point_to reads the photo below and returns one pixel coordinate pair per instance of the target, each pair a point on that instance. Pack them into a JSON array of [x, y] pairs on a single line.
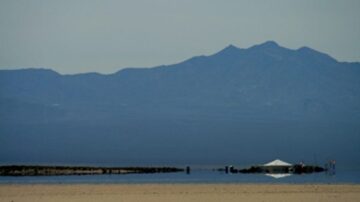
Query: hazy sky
[[72, 36]]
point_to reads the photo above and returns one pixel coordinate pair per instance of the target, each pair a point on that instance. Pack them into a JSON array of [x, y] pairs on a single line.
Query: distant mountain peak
[[306, 49], [230, 46], [314, 53], [229, 50], [268, 45]]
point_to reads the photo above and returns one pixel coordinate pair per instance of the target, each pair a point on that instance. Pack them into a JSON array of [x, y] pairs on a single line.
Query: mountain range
[[235, 106]]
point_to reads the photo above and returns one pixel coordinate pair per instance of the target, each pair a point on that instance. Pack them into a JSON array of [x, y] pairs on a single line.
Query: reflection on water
[[196, 176], [278, 175]]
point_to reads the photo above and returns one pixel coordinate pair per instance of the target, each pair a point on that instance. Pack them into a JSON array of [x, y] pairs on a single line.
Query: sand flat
[[178, 192]]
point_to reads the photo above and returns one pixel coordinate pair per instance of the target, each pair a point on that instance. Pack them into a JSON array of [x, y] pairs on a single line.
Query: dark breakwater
[[31, 170]]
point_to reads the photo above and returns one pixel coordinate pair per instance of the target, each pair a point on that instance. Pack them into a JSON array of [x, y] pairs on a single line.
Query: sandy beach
[[179, 192]]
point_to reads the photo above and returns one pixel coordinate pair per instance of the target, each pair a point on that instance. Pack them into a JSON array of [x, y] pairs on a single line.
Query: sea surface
[[196, 176]]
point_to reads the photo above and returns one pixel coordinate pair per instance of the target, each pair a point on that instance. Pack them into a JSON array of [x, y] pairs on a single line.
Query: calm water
[[196, 176]]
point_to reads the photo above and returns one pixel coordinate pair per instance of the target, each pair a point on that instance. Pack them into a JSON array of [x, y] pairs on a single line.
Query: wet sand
[[178, 193]]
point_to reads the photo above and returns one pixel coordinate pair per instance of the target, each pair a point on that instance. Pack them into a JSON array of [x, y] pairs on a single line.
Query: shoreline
[[179, 192], [173, 183], [180, 184]]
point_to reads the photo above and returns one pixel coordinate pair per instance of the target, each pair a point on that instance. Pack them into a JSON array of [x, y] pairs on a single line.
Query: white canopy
[[277, 162]]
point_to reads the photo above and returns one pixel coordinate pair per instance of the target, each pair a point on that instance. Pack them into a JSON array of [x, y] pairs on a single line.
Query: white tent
[[277, 162]]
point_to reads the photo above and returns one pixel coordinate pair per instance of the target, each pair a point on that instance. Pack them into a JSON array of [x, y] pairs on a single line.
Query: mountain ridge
[[230, 48], [228, 104]]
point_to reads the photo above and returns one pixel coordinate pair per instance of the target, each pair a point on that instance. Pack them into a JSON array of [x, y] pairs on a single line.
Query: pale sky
[[73, 36]]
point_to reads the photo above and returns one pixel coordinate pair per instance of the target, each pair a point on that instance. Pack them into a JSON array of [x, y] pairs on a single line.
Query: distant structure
[[279, 168], [276, 166], [188, 170], [330, 167]]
